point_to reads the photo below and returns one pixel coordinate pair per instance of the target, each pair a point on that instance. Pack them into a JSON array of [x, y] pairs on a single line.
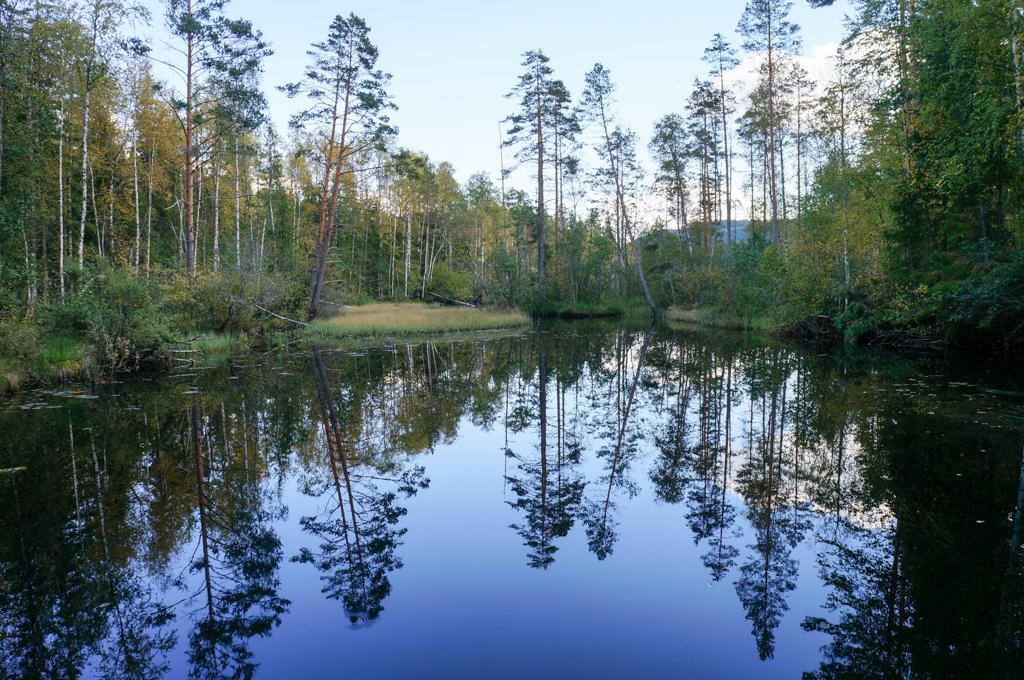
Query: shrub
[[19, 338], [230, 302], [990, 302]]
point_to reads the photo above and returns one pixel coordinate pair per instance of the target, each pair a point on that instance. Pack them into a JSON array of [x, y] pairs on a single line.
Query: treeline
[[108, 171], [883, 203]]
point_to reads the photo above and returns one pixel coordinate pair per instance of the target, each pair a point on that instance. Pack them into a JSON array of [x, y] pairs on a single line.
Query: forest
[[145, 201]]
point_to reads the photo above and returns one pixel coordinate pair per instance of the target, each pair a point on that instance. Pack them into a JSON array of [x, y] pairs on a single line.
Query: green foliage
[[231, 302], [120, 314], [19, 338], [586, 310], [451, 284], [29, 350], [506, 280], [991, 301]]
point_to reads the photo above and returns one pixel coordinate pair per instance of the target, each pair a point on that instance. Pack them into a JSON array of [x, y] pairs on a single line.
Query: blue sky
[[453, 60]]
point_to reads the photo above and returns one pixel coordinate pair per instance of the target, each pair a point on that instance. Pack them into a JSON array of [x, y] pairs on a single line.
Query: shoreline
[[360, 326]]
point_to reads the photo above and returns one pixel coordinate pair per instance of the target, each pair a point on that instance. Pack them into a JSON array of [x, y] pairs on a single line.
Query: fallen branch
[[458, 302], [273, 314], [278, 316]]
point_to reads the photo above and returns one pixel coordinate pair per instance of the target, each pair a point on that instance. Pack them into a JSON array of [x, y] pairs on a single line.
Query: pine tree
[[348, 104], [767, 30], [617, 149], [670, 146], [222, 58], [722, 57], [538, 97]]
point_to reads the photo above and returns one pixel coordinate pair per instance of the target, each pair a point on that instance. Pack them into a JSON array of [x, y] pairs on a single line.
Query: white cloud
[[818, 61]]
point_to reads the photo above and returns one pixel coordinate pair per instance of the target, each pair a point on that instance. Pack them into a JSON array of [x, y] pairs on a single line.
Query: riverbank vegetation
[[885, 205], [410, 318], [144, 204]]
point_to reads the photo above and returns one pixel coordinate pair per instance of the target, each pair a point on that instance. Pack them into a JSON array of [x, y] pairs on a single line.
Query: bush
[[120, 314], [505, 280], [229, 302], [19, 338], [127, 319], [451, 284], [990, 303]]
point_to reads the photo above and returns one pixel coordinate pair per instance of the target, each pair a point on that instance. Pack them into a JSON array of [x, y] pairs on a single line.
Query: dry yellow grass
[[411, 318]]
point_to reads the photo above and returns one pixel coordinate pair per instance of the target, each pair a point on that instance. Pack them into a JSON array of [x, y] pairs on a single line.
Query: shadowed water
[[600, 501]]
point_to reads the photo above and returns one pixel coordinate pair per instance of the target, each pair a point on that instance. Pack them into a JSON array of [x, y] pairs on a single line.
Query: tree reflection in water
[[238, 558], [358, 532], [547, 492], [141, 532]]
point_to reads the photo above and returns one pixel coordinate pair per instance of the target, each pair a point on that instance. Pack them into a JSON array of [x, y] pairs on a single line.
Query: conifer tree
[[767, 30], [538, 97], [348, 104], [221, 59]]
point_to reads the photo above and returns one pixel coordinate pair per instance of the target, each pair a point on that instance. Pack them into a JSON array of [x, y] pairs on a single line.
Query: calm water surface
[[578, 501]]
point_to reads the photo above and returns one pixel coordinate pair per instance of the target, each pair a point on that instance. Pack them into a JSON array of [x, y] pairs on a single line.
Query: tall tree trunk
[[799, 153], [323, 243], [216, 216], [238, 214], [728, 154], [149, 210], [85, 167], [189, 235], [60, 195], [772, 185], [408, 251], [541, 245], [138, 216], [96, 210], [108, 243], [197, 219], [782, 176], [621, 201]]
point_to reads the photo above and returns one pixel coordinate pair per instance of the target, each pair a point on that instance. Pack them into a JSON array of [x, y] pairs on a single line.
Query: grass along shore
[[63, 359], [58, 359], [626, 307], [707, 316], [411, 318]]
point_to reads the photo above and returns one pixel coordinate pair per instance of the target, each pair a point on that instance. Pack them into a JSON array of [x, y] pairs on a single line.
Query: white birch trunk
[[85, 174], [238, 215], [216, 218], [60, 194]]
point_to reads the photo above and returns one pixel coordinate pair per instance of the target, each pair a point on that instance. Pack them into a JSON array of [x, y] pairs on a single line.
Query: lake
[[603, 500]]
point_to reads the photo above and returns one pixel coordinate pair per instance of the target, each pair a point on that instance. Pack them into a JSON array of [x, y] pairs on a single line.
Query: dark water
[[581, 501]]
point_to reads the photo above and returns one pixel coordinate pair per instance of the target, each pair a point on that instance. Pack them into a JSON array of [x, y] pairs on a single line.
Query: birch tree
[[218, 59]]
